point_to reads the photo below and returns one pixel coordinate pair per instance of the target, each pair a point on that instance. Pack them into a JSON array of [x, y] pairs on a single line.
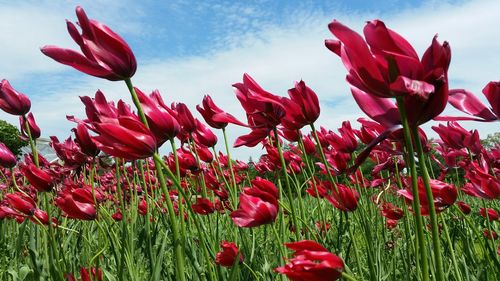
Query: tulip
[[468, 103], [105, 53], [75, 209], [302, 108], [492, 214], [311, 262], [264, 111], [464, 207], [214, 116], [33, 127], [258, 205], [481, 183], [386, 65], [12, 101], [21, 203], [346, 142], [162, 124], [127, 138], [97, 109], [203, 206], [83, 139], [39, 178], [68, 151], [7, 158], [444, 195], [344, 198], [228, 255], [184, 117], [391, 212], [203, 135]]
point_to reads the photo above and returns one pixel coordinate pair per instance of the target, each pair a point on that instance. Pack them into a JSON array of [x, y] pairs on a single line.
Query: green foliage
[[9, 135], [491, 140]]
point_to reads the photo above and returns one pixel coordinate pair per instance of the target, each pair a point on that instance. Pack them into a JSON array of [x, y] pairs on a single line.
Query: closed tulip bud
[[33, 127], [12, 101], [7, 158]]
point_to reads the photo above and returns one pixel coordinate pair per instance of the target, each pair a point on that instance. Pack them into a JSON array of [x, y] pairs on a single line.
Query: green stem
[[416, 200], [288, 188], [234, 191], [432, 209]]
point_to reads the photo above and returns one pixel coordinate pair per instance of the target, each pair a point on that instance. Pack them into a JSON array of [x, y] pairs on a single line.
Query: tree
[[491, 140], [9, 135]]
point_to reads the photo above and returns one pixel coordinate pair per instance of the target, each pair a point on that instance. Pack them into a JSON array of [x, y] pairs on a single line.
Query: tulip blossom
[[161, 123], [214, 116], [302, 108], [75, 209], [12, 101], [468, 103], [105, 53], [444, 195], [68, 151], [83, 139], [481, 183], [203, 206], [184, 117], [21, 203], [264, 111], [258, 205], [386, 65], [311, 262], [7, 158], [345, 142], [344, 198], [228, 255], [455, 136], [491, 213], [203, 135], [127, 138], [39, 178], [464, 207], [33, 127], [391, 212], [98, 109]]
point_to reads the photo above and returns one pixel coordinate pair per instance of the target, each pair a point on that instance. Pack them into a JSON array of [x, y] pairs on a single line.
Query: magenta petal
[[467, 102]]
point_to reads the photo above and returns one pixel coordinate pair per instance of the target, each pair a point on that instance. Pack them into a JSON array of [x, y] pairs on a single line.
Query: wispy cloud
[[276, 56]]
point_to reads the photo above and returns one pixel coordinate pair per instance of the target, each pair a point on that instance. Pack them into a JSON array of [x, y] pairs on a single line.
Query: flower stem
[[421, 249], [432, 209]]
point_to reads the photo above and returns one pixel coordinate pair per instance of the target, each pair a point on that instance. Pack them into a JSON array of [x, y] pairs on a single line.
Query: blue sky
[[190, 48]]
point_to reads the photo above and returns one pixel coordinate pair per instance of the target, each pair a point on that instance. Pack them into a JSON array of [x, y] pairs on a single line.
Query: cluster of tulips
[[379, 202]]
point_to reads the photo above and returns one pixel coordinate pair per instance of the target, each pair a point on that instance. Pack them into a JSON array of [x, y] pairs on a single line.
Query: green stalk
[[32, 142], [179, 251], [234, 191], [414, 180], [288, 188], [432, 209]]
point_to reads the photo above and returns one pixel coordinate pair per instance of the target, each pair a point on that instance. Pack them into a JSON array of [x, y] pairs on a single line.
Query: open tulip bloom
[[375, 199]]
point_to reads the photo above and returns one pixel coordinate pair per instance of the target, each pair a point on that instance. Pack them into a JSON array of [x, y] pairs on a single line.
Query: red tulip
[[444, 195], [464, 207], [127, 138], [391, 212], [68, 151], [455, 136], [467, 102], [481, 183], [492, 214], [162, 124], [184, 117], [258, 205], [34, 129], [344, 198], [311, 262], [12, 101], [346, 142], [82, 137], [98, 109], [204, 154], [228, 255], [39, 178], [105, 53], [214, 116], [7, 158], [203, 206], [75, 209], [21, 203], [142, 207], [302, 108], [203, 135], [264, 111]]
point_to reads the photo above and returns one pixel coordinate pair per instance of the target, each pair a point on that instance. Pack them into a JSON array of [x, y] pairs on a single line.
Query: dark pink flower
[[228, 255], [105, 53], [12, 101]]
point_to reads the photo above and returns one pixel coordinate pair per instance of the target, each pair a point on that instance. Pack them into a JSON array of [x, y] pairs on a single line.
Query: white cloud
[[275, 56]]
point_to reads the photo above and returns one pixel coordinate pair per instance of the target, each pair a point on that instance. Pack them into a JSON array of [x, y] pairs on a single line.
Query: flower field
[[376, 200]]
